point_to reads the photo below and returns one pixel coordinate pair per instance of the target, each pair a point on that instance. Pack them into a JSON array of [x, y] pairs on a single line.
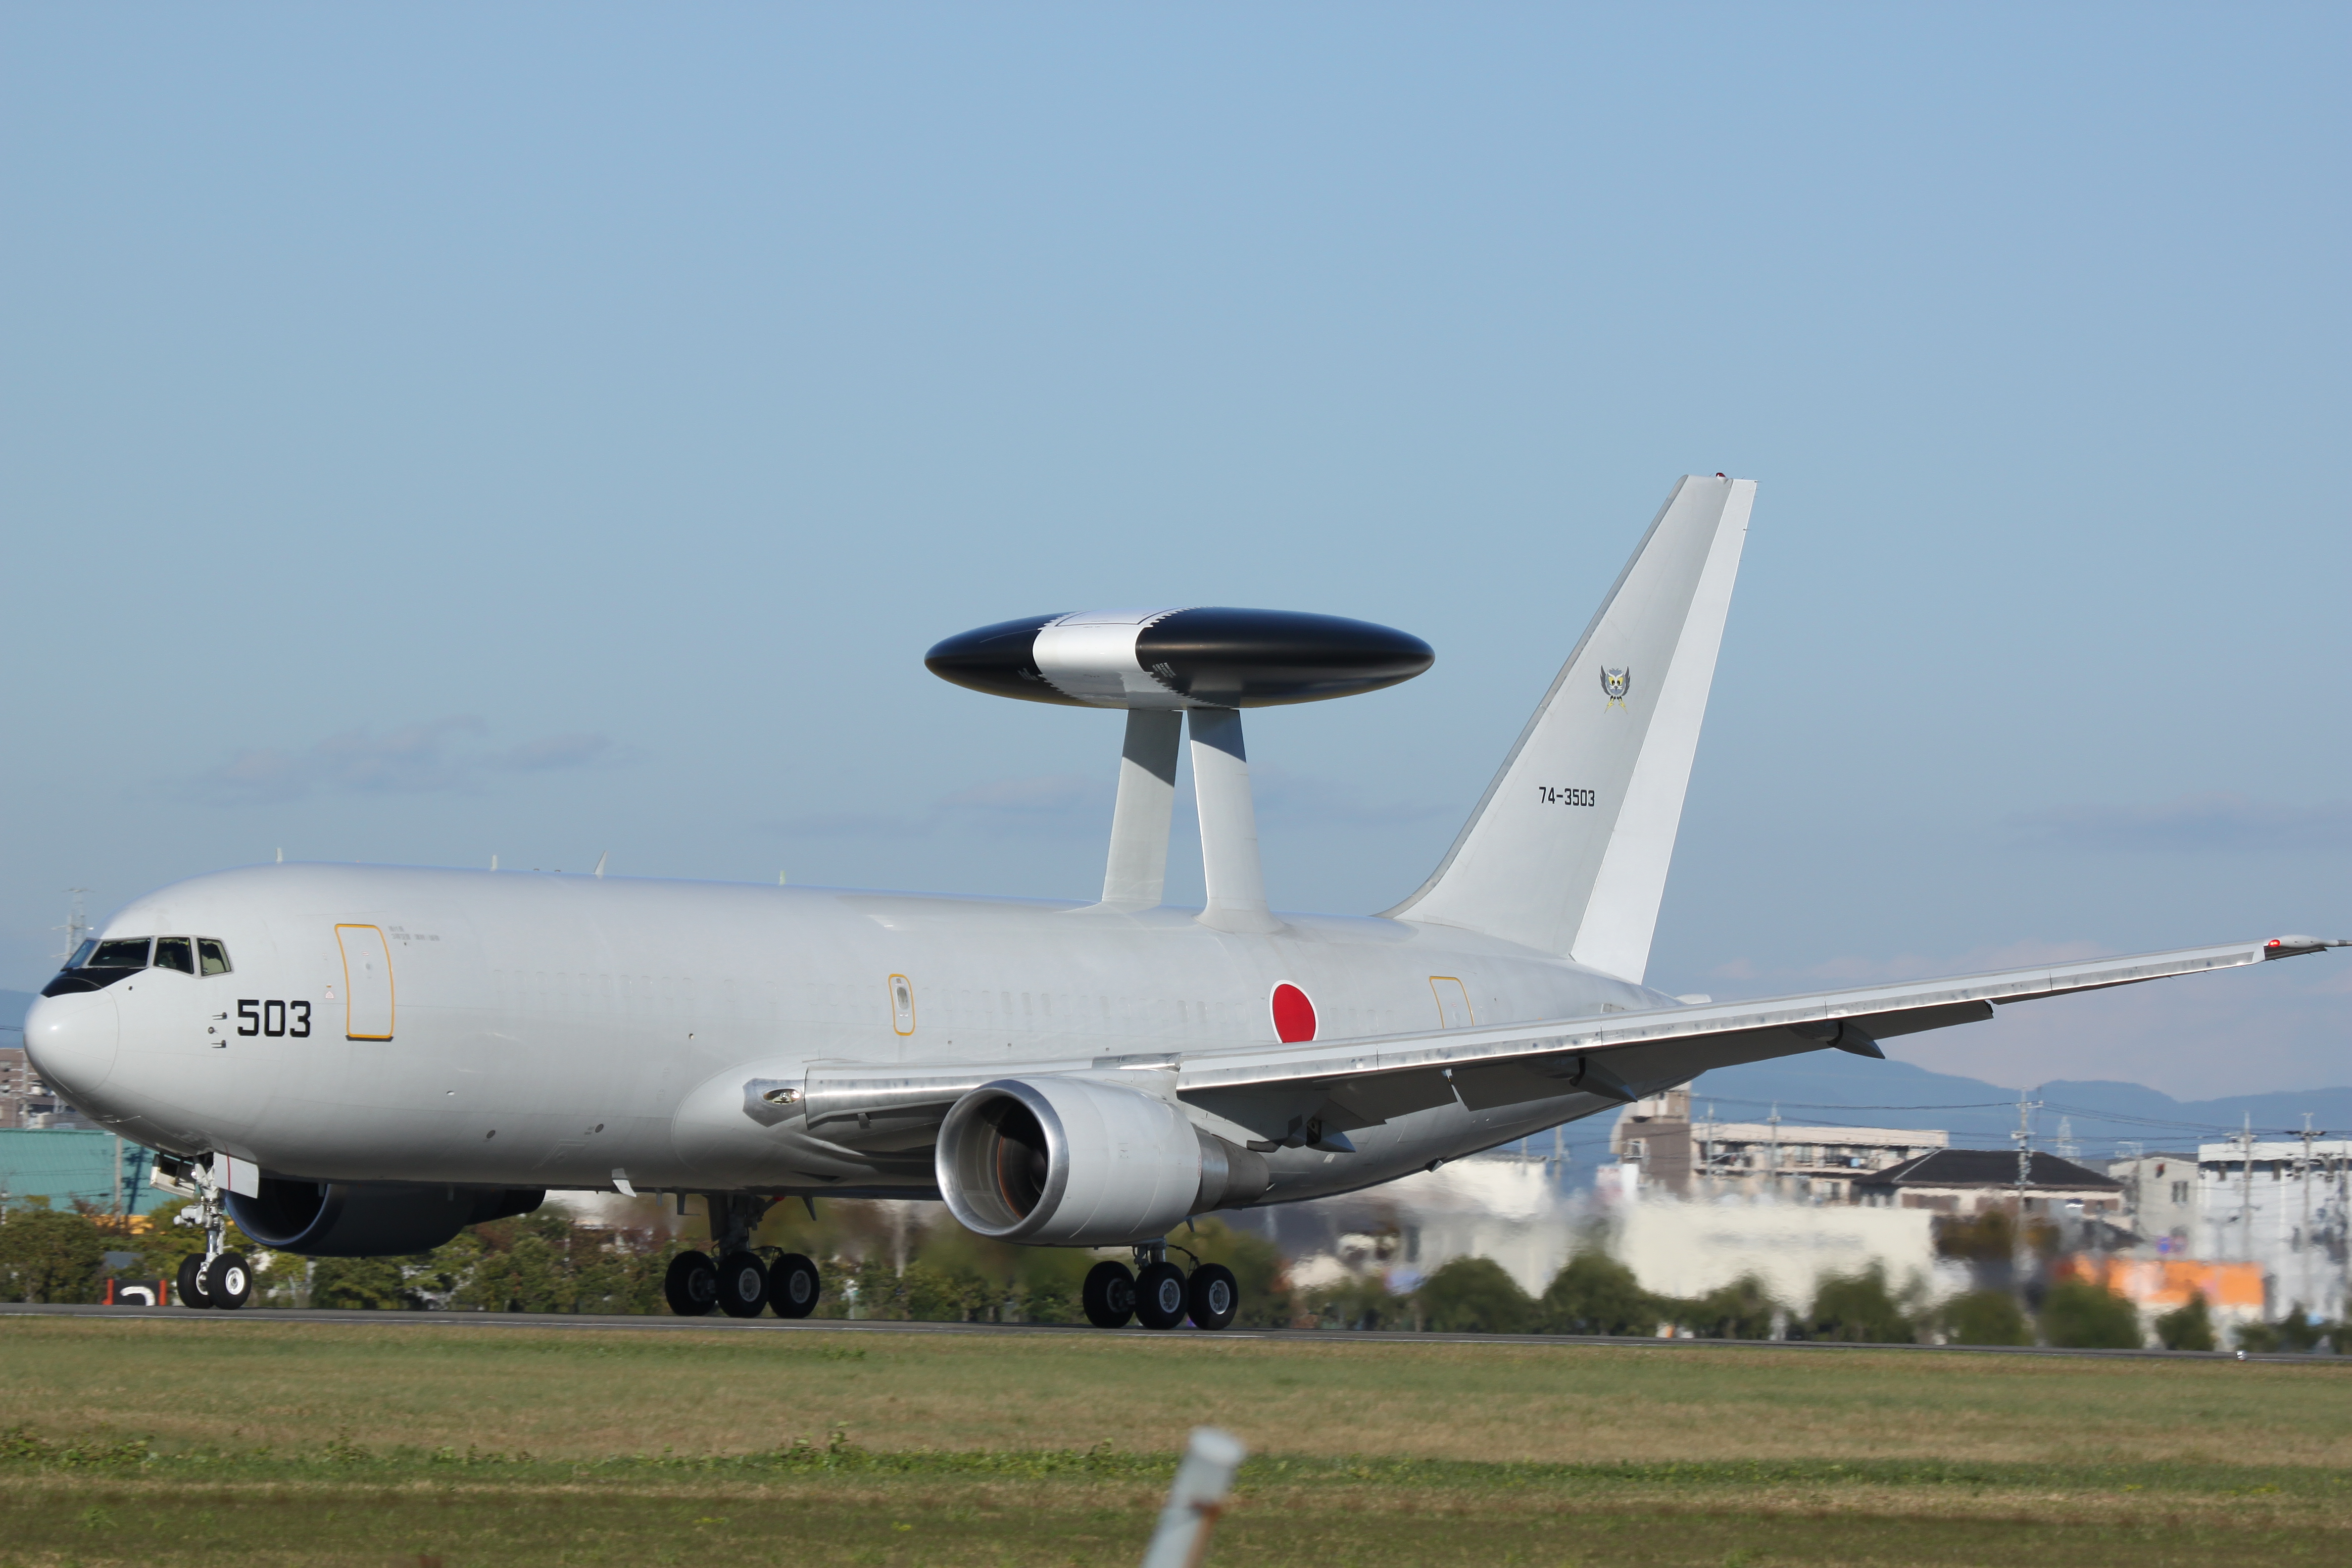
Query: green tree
[[1986, 1318], [2080, 1315], [49, 1255], [547, 1262], [1595, 1294], [366, 1284], [1474, 1296], [2187, 1327], [1358, 1303], [1257, 1268], [1743, 1310], [1857, 1308]]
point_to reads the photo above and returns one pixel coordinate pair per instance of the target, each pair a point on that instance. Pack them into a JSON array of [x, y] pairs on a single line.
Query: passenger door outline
[[367, 982], [1454, 1011]]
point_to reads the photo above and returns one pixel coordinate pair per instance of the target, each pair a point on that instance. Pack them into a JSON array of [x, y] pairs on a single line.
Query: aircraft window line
[[212, 955], [81, 954], [175, 952]]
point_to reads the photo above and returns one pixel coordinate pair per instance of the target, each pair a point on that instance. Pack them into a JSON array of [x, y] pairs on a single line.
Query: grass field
[[202, 1442]]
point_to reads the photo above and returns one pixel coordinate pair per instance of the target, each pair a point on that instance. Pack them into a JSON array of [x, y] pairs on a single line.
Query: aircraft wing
[[1622, 1056], [1613, 1057]]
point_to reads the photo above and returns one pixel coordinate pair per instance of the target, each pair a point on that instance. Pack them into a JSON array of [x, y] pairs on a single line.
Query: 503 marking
[[291, 1019]]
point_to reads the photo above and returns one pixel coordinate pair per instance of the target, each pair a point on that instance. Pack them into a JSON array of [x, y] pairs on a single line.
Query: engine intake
[[1068, 1162], [370, 1219]]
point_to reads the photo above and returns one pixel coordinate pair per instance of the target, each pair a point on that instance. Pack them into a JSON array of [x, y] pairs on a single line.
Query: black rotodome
[[1218, 656]]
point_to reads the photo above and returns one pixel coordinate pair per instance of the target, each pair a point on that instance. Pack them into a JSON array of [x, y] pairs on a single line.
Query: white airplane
[[354, 1061]]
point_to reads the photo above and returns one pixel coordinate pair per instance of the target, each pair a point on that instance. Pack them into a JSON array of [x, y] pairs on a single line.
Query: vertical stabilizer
[[1568, 852]]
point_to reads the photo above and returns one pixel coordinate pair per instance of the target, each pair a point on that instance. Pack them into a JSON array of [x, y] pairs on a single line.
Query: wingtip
[[2295, 946]]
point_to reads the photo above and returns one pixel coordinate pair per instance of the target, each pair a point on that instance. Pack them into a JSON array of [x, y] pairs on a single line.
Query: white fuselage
[[569, 1031]]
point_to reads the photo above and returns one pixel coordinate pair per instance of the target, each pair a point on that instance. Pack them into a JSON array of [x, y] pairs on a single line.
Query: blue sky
[[438, 432]]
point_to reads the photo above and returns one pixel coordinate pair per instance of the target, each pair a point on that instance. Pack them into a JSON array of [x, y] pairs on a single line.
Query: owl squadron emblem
[[1615, 682]]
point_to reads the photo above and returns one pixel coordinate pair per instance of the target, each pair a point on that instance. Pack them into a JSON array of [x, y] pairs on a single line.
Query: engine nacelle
[[370, 1219], [1068, 1162]]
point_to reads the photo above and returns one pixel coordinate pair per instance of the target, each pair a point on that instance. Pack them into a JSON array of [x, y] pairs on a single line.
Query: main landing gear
[[1158, 1294], [741, 1283]]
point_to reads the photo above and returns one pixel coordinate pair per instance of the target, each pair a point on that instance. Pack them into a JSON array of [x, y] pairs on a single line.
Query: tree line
[[906, 1262]]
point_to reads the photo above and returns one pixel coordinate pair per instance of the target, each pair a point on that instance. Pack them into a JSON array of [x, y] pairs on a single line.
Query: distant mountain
[[1828, 1088], [14, 1005]]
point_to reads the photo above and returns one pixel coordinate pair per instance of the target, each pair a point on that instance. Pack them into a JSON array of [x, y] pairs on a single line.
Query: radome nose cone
[[71, 1041]]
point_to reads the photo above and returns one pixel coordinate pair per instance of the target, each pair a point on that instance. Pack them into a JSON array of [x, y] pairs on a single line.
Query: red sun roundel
[[1294, 1015]]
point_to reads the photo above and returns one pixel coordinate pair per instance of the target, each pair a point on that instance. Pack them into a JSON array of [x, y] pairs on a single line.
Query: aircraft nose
[[71, 1042]]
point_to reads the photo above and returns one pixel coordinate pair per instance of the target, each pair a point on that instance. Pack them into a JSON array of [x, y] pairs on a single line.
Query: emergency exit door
[[367, 983]]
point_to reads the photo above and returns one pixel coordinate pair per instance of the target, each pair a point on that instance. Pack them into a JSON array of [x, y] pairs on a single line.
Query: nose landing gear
[[1159, 1295], [218, 1278]]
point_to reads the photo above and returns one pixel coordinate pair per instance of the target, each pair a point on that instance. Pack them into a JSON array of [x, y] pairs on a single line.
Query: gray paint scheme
[[553, 1031]]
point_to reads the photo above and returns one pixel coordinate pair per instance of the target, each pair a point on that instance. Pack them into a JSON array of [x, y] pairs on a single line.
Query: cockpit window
[[213, 955], [96, 965]]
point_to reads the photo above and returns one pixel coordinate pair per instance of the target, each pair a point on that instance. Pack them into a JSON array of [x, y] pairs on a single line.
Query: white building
[[2282, 1203], [1793, 1161]]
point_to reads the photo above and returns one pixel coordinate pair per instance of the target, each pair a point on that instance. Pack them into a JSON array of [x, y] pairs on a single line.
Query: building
[[2281, 1205], [1710, 1158], [26, 1101], [1972, 1181], [71, 1166], [2235, 1293], [2160, 1195]]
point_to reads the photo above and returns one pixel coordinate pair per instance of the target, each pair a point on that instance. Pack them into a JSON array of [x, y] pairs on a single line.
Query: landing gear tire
[[793, 1286], [191, 1282], [1108, 1295], [742, 1284], [1213, 1295], [1160, 1296], [691, 1286], [226, 1280]]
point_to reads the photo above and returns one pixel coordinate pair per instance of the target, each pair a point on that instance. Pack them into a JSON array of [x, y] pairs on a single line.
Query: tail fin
[[1568, 852]]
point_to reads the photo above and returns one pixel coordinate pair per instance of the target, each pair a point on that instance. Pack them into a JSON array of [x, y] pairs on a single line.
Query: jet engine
[[1069, 1161], [370, 1219]]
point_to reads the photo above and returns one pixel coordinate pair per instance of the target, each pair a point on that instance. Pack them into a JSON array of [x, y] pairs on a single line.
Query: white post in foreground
[[1195, 1499]]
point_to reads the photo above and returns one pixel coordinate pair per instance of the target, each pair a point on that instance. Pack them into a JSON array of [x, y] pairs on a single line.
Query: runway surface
[[717, 1324]]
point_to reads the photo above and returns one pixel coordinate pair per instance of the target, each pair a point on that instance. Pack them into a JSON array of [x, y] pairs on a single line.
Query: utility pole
[[2246, 1186], [2302, 1231], [75, 927], [1707, 1148], [2023, 1139]]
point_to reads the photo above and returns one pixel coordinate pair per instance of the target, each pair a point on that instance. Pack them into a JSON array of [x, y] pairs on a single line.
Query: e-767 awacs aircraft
[[354, 1061]]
